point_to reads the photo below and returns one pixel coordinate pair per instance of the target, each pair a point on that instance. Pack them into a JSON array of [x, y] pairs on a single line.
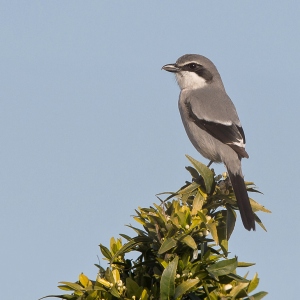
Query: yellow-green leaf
[[197, 203], [104, 282], [116, 275], [245, 264], [119, 243], [213, 230], [92, 295], [113, 245], [189, 189], [257, 296], [140, 220], [188, 240], [253, 283], [258, 207], [144, 295], [162, 262], [195, 222], [83, 280], [239, 290], [202, 216]]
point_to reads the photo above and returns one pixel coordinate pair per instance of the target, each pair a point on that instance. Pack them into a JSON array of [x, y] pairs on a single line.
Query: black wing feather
[[227, 134]]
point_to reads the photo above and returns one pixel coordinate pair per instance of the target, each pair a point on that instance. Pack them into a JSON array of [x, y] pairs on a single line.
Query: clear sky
[[90, 128]]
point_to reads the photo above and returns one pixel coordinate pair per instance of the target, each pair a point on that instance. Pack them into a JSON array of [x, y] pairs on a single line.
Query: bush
[[182, 249]]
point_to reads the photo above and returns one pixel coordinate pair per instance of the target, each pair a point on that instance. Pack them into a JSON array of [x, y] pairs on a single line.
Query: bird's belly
[[207, 145]]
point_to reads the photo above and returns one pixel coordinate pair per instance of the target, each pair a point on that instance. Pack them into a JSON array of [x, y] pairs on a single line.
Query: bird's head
[[194, 71]]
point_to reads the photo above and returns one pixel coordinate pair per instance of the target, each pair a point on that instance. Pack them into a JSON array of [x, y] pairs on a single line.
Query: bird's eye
[[192, 66]]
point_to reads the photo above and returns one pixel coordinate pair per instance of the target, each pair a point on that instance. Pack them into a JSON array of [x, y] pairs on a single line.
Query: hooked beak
[[171, 68]]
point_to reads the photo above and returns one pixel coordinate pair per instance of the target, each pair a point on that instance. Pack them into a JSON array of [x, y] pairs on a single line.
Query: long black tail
[[243, 201]]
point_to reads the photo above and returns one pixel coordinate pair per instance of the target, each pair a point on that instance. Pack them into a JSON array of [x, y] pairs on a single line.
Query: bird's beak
[[171, 68]]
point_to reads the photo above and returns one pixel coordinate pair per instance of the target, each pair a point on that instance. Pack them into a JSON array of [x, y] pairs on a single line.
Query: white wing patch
[[240, 143], [227, 123]]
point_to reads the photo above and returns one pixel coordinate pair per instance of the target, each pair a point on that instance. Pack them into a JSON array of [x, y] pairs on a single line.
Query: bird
[[212, 123]]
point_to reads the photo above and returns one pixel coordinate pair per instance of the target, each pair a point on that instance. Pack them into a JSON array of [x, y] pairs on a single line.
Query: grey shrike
[[211, 122]]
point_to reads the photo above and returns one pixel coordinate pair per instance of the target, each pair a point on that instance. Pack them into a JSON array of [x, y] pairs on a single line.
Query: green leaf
[[257, 296], [237, 277], [109, 276], [222, 230], [73, 286], [253, 190], [205, 172], [138, 231], [230, 222], [167, 282], [100, 268], [98, 287], [207, 291], [168, 244], [193, 172], [106, 253], [130, 246], [67, 297], [223, 267], [126, 237], [114, 292], [184, 287], [258, 220], [132, 288], [188, 240]]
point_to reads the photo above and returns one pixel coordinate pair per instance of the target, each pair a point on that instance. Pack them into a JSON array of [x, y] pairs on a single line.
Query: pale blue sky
[[90, 127]]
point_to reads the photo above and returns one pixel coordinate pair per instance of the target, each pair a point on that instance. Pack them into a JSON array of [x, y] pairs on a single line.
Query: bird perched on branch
[[211, 122]]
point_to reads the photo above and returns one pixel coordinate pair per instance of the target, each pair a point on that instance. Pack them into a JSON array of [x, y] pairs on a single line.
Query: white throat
[[190, 80]]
